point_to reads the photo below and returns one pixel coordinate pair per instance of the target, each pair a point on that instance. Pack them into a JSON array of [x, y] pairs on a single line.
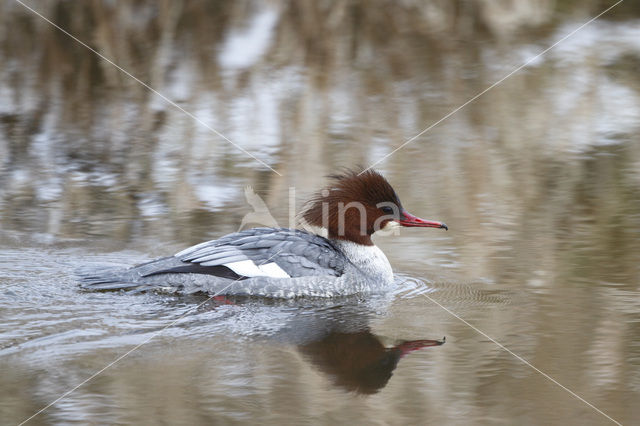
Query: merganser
[[333, 256]]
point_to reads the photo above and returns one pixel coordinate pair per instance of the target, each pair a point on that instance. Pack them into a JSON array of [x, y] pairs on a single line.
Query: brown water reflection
[[539, 181], [359, 362]]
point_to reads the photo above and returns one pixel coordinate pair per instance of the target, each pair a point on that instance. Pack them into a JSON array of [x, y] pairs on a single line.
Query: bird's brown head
[[355, 205]]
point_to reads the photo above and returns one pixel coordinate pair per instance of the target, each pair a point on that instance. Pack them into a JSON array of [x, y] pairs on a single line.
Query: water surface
[[538, 180]]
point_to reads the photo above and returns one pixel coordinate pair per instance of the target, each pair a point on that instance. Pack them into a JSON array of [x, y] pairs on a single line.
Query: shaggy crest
[[350, 206]]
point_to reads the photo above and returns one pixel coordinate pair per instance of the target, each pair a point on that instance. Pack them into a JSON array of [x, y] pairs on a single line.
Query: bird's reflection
[[358, 361], [336, 338]]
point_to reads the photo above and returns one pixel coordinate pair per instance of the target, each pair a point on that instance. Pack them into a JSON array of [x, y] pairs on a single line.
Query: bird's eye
[[386, 210]]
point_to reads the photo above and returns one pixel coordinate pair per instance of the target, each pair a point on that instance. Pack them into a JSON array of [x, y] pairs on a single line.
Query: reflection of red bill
[[414, 345]]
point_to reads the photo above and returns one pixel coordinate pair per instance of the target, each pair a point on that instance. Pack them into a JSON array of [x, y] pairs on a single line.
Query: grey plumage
[[201, 267], [312, 254]]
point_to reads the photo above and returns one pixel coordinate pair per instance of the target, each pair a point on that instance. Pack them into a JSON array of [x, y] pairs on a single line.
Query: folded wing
[[269, 252]]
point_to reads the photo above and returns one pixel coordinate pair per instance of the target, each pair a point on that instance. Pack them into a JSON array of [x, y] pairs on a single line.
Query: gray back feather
[[298, 253]]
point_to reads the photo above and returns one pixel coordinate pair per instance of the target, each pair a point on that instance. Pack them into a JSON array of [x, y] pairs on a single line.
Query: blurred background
[[538, 180]]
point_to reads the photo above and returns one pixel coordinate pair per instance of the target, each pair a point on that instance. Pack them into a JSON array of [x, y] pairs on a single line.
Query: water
[[538, 180]]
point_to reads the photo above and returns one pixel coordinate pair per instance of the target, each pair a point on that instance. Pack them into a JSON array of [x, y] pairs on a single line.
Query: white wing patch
[[247, 268], [273, 270]]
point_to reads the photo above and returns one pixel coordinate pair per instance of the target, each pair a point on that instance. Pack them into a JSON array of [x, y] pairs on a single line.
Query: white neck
[[369, 259]]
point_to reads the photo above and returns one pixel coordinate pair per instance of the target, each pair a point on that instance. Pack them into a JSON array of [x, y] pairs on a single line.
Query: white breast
[[369, 259]]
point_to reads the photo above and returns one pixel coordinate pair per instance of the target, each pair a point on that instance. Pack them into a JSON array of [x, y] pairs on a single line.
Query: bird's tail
[[104, 276]]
